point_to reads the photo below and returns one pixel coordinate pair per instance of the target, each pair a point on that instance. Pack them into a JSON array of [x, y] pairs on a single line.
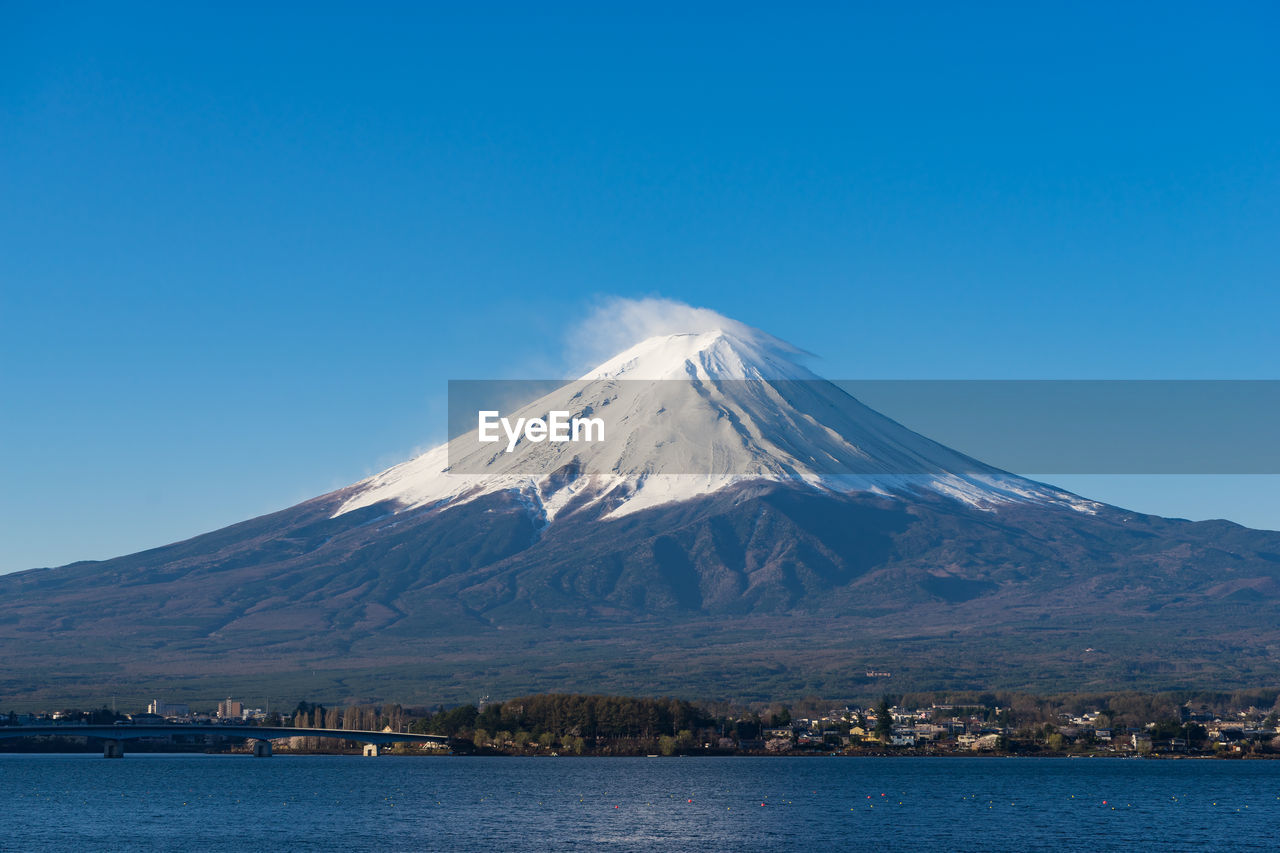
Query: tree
[[1196, 735], [747, 728], [884, 719], [490, 719]]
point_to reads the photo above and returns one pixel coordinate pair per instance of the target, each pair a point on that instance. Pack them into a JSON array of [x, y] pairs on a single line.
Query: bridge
[[114, 736]]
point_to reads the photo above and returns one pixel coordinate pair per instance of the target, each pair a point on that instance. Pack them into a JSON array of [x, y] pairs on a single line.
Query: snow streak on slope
[[729, 405]]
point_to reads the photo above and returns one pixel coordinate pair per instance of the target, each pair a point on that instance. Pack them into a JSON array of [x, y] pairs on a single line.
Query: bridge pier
[[371, 750], [113, 749], [262, 749]]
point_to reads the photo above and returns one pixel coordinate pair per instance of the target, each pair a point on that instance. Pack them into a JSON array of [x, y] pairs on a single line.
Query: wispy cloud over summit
[[616, 323]]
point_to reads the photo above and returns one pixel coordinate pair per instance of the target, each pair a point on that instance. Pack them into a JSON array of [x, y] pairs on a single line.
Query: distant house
[[169, 709], [1141, 742], [147, 719], [903, 739], [929, 730], [1102, 734], [1189, 714]]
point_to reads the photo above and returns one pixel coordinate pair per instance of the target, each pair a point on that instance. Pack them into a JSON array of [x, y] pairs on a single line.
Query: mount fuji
[[744, 529]]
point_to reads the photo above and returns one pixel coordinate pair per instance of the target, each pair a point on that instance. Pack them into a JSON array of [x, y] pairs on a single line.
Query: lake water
[[350, 803]]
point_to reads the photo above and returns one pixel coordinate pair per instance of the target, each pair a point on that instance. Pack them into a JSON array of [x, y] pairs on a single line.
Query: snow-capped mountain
[[691, 414], [743, 528]]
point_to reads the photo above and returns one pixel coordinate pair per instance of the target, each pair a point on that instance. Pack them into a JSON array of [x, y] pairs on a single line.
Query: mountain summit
[[689, 415], [741, 528]]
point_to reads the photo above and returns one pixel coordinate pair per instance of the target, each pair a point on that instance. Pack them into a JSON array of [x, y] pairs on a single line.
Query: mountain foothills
[[745, 530]]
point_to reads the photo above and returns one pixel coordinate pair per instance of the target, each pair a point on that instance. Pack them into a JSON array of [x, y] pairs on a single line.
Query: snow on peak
[[714, 354], [690, 413]]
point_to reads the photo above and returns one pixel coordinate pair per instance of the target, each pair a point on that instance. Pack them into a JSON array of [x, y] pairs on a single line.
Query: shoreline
[[95, 749]]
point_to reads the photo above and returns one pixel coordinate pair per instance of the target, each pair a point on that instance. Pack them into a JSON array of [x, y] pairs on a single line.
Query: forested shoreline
[[1239, 724]]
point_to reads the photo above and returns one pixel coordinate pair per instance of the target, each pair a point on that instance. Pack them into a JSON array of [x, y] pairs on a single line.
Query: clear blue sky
[[241, 253]]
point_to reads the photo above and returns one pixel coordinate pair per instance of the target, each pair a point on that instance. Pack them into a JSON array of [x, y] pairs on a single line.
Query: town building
[[230, 709], [169, 709]]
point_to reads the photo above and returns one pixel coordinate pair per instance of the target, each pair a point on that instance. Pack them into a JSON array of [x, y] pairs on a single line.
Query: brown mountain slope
[[757, 590]]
